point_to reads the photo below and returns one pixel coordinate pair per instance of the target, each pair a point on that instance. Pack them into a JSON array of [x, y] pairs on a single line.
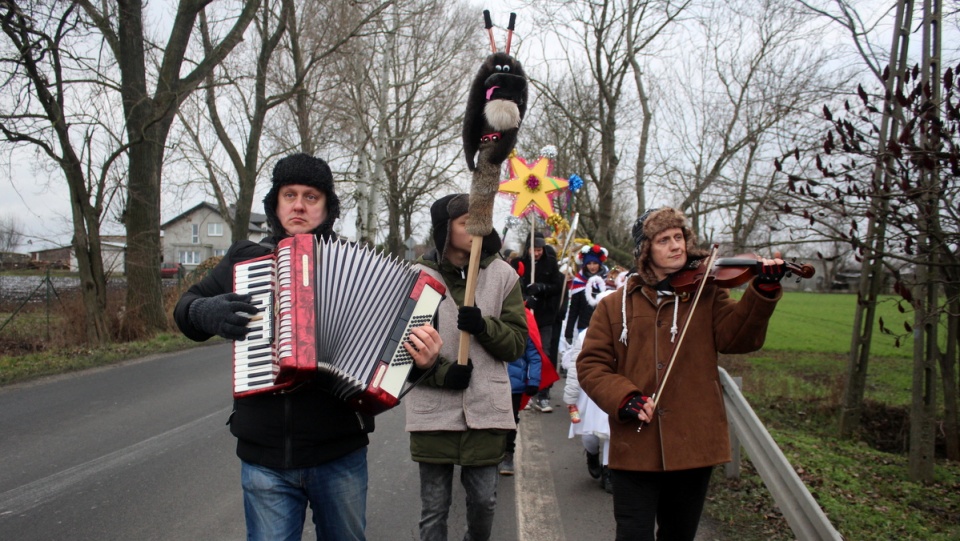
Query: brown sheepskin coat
[[690, 428]]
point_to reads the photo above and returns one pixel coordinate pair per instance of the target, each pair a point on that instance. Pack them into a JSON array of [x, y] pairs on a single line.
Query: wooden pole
[[533, 245], [469, 296]]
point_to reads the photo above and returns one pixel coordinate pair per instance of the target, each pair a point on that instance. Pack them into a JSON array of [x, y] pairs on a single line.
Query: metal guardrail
[[802, 512]]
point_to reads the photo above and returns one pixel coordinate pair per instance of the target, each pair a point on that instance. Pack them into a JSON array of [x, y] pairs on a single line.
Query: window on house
[[190, 257], [215, 230], [220, 252], [195, 233]]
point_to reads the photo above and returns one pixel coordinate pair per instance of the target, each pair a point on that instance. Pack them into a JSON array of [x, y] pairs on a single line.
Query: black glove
[[471, 320], [536, 288], [531, 390], [632, 407], [771, 274], [458, 376], [218, 315], [768, 279]]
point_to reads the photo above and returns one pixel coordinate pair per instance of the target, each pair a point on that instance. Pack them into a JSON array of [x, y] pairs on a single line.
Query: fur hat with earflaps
[[650, 224], [305, 170]]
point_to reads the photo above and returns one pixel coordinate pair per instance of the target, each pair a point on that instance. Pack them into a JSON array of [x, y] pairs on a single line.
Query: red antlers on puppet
[[488, 24]]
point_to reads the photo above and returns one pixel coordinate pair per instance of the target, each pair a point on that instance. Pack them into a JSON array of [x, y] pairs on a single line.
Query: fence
[[802, 512]]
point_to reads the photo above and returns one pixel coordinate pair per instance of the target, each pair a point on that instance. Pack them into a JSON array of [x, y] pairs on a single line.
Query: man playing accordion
[[306, 445]]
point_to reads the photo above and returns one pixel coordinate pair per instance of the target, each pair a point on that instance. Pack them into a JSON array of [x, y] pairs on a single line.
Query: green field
[[823, 323], [795, 385]]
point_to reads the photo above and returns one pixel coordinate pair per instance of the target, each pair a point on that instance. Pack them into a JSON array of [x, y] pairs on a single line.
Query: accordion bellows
[[334, 313]]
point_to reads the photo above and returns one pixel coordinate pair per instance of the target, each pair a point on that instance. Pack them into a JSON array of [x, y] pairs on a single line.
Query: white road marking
[[23, 498]]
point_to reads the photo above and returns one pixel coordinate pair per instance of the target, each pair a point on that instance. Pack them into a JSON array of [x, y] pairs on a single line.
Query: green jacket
[[469, 427]]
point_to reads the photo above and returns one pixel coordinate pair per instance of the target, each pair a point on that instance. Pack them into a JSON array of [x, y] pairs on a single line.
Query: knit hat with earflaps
[[305, 170], [447, 209], [650, 224]]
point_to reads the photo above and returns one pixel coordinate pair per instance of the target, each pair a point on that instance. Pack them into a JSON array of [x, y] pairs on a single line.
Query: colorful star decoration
[[533, 186]]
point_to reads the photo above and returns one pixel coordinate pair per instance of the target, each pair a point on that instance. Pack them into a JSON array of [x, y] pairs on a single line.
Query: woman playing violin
[[665, 441]]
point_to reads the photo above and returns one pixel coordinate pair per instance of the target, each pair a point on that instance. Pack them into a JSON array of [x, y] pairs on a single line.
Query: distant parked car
[[171, 270]]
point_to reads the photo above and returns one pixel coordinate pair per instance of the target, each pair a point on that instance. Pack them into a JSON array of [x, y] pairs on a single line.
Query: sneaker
[[543, 404], [593, 465], [506, 466], [605, 481]]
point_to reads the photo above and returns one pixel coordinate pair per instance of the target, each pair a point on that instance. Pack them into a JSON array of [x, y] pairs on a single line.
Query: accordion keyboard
[[253, 366]]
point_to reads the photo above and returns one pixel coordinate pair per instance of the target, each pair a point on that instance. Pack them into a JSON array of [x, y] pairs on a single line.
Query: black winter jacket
[[298, 429], [544, 298]]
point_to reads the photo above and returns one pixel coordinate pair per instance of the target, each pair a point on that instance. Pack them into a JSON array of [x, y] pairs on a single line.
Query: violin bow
[[655, 397]]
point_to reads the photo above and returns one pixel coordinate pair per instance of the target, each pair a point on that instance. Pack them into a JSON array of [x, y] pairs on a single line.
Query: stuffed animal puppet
[[495, 107], [496, 104]]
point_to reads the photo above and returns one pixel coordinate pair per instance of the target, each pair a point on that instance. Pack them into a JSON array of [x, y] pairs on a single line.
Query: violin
[[730, 272]]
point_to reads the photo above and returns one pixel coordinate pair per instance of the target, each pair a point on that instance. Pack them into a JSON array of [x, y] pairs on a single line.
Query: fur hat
[[650, 224], [305, 170], [447, 209]]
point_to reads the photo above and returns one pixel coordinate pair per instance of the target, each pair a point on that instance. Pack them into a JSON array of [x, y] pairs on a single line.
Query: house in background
[[113, 249], [201, 233]]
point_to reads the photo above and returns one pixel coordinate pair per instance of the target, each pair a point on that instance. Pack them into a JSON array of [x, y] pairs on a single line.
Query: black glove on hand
[[768, 279], [536, 288], [458, 376], [218, 315], [531, 390], [771, 274], [471, 320], [632, 408]]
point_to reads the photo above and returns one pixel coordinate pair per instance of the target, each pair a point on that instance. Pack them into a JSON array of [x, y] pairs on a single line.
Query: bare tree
[[609, 36], [744, 97], [240, 95], [11, 235], [149, 114], [59, 104], [405, 112]]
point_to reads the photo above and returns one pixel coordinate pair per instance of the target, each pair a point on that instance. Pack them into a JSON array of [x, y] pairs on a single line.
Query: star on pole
[[533, 186]]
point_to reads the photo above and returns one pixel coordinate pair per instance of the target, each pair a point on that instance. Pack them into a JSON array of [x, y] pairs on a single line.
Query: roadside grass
[[27, 366], [795, 385], [34, 343]]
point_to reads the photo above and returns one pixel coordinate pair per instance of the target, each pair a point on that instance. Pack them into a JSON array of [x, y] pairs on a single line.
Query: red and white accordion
[[335, 313]]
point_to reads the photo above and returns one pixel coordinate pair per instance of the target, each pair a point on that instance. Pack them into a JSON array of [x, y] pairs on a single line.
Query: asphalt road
[[140, 451]]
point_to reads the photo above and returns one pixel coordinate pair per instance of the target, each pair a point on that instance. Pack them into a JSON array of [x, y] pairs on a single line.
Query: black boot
[[605, 480], [593, 465]]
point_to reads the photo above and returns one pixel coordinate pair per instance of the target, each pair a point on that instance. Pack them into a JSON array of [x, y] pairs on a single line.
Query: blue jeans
[[436, 488], [275, 500]]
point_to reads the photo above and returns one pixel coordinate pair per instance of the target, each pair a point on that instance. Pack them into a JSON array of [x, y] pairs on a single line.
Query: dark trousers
[[512, 435], [670, 502]]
